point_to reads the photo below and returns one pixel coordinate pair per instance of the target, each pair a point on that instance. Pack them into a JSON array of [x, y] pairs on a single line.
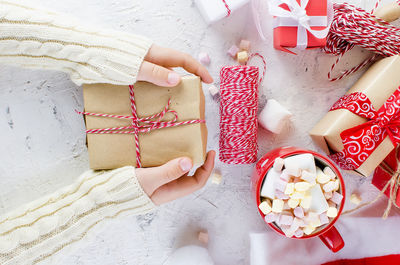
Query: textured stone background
[[42, 145]]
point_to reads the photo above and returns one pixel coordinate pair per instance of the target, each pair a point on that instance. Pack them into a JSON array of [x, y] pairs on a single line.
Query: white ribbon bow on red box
[[297, 17]]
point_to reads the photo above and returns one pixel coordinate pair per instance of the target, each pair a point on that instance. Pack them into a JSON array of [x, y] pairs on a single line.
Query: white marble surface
[[43, 141]]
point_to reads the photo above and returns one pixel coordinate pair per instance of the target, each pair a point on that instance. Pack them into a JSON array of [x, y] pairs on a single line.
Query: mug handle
[[332, 239]]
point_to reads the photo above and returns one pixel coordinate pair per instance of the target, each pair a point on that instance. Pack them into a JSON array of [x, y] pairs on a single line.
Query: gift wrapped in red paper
[[387, 171], [299, 23]]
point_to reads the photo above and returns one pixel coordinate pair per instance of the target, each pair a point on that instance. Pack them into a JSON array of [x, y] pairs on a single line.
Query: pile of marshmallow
[[300, 197]]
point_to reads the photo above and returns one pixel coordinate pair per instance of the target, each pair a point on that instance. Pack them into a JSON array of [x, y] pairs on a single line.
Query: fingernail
[[173, 78], [185, 164]]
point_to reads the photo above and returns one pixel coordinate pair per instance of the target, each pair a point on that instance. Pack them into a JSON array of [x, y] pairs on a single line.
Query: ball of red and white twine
[[353, 26], [238, 110]]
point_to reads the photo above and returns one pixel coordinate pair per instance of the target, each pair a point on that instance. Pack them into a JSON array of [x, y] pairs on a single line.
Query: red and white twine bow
[[353, 26], [140, 125], [360, 141]]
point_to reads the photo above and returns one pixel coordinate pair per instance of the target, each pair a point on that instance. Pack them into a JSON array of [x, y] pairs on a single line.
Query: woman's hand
[[156, 67], [170, 181]]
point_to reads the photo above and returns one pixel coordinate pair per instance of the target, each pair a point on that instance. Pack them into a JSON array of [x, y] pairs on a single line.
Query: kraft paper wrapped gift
[[109, 151], [379, 83]]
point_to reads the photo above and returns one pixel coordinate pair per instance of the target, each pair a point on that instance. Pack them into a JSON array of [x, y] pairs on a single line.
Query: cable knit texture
[[34, 38], [40, 229]]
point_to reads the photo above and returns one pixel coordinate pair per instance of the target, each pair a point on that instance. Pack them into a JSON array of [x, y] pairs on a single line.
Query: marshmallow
[[286, 208], [331, 204], [289, 188], [299, 233], [298, 195], [280, 195], [330, 186], [203, 237], [323, 218], [268, 189], [277, 205], [309, 177], [271, 217], [296, 224], [332, 212], [216, 178], [265, 207], [313, 219], [337, 198], [295, 172], [233, 50], [328, 171], [318, 202], [285, 176], [274, 116], [214, 90], [355, 198], [285, 219], [298, 212], [288, 232], [278, 164], [280, 185], [337, 185], [322, 178], [308, 230], [302, 186], [306, 202], [204, 58], [293, 203], [328, 195], [244, 45], [303, 161], [242, 57]]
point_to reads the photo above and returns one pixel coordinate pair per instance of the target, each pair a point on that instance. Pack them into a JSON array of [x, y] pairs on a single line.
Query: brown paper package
[[109, 151], [378, 83]]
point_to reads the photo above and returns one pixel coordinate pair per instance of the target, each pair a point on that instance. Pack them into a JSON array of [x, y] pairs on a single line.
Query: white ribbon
[[297, 16]]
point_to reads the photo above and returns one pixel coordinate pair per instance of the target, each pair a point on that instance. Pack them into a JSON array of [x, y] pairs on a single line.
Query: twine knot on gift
[[140, 125], [391, 185], [360, 141], [290, 13]]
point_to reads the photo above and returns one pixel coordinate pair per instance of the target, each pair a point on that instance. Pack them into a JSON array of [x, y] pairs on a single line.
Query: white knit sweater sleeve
[[40, 229], [34, 38]]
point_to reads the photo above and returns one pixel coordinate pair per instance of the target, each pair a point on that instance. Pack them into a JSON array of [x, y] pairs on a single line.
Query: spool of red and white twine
[[353, 26], [238, 113]]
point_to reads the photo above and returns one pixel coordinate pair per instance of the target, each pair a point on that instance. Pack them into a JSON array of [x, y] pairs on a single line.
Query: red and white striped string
[[353, 26], [140, 125], [238, 113], [228, 10]]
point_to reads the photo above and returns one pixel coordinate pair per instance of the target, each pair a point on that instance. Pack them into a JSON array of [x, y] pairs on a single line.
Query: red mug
[[329, 235]]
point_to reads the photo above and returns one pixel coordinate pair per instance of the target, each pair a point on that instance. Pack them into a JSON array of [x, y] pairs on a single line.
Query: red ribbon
[[362, 140], [140, 125]]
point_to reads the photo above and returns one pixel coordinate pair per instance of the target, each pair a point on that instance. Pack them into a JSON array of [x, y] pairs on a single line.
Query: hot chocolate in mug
[[328, 234]]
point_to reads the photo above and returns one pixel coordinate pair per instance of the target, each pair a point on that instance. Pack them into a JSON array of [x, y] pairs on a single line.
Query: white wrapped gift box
[[214, 10]]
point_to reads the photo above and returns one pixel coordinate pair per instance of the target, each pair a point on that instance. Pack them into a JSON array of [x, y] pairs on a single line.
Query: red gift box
[[286, 36], [385, 172]]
